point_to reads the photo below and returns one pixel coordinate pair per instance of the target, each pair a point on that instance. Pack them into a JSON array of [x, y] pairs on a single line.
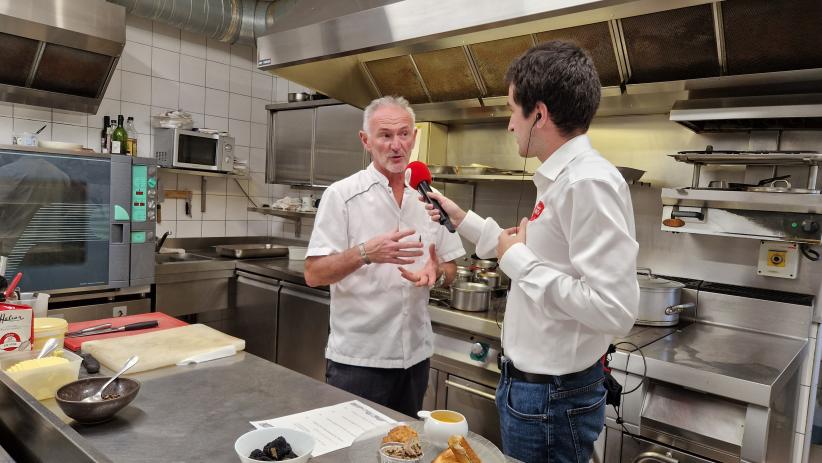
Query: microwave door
[[195, 151]]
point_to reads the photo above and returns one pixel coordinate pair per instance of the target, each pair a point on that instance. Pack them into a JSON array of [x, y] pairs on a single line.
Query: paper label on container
[[16, 326], [115, 147], [333, 427]]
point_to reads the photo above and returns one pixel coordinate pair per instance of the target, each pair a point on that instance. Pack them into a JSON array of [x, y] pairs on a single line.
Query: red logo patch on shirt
[[537, 211]]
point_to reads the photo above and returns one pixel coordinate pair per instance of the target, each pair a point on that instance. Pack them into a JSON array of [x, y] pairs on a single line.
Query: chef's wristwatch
[[363, 254], [440, 283]]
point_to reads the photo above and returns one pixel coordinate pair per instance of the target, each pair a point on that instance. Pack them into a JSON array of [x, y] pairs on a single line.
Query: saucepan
[[470, 297], [659, 300]]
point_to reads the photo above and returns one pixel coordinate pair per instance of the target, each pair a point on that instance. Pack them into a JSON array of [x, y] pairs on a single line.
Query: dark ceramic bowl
[[69, 398]]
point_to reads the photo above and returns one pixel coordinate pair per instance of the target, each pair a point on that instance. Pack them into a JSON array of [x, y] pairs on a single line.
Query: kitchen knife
[[90, 328], [129, 327]]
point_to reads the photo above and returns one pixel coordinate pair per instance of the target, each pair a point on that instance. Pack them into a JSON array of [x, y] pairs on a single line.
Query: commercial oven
[[75, 220]]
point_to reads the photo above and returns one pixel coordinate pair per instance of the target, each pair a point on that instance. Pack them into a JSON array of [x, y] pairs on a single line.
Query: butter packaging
[[16, 326]]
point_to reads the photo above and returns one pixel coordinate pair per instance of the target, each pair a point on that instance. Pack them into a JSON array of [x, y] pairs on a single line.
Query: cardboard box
[[16, 326]]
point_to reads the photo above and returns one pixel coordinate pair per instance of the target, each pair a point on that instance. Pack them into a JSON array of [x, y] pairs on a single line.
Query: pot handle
[[670, 310], [645, 271]]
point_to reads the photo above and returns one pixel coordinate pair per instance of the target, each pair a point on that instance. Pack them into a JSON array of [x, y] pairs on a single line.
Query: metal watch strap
[[440, 283], [363, 254]]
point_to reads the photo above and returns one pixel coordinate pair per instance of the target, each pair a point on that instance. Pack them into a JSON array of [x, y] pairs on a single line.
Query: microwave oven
[[77, 221], [190, 149]]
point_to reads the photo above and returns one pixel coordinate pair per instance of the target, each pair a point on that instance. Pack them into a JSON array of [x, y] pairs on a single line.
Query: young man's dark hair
[[561, 75]]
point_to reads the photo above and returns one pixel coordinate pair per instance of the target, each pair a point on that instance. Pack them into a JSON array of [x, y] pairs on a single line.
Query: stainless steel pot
[[300, 96], [464, 274], [492, 279], [659, 300], [471, 297]]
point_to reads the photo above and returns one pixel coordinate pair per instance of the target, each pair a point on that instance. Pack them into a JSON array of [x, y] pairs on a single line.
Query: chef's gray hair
[[386, 101]]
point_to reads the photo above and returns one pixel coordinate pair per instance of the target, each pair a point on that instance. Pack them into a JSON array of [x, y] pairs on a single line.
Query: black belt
[[512, 371]]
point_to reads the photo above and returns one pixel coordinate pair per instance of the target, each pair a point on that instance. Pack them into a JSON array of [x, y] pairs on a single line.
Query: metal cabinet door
[[477, 403], [293, 138], [338, 151], [302, 329], [253, 315]]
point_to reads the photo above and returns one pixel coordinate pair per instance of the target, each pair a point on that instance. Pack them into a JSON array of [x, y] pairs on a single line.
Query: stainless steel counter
[[740, 365], [729, 362], [195, 413]]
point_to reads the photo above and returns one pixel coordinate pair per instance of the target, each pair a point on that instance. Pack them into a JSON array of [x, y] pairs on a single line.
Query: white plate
[[366, 447]]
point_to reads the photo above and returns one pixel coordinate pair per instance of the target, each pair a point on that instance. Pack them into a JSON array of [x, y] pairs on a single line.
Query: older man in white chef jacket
[[375, 245]]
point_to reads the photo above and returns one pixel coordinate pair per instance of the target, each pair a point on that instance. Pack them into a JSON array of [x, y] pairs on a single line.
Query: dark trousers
[[396, 388]]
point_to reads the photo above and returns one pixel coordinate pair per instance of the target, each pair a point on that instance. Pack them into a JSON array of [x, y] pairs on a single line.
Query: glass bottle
[[119, 138]]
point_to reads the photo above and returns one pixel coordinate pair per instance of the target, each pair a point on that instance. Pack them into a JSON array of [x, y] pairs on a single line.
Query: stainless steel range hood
[[449, 58], [734, 114], [59, 54]]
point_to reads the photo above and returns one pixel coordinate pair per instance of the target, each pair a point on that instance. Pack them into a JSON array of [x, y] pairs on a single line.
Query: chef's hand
[[388, 249], [511, 236], [450, 207], [427, 276]]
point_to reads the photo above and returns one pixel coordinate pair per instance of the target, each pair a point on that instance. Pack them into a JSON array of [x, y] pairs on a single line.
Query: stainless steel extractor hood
[[59, 54], [449, 58], [734, 114]]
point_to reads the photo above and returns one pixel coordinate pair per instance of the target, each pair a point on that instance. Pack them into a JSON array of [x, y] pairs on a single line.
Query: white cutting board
[[159, 348]]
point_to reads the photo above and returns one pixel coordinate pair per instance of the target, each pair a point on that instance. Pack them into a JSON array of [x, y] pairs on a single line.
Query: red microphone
[[419, 178]]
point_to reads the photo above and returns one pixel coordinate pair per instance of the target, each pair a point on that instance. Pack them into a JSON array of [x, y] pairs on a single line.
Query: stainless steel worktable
[[195, 413], [733, 363]]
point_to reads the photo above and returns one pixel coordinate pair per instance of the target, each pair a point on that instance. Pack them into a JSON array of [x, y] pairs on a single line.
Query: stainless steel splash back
[[59, 54], [450, 57]]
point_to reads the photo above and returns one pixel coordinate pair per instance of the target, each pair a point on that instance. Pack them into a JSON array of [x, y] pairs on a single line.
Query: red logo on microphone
[[537, 211]]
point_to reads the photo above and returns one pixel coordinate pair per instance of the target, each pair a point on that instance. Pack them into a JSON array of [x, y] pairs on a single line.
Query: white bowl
[[297, 252], [301, 443]]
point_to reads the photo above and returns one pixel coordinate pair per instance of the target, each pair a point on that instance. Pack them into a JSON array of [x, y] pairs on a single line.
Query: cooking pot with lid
[[659, 300], [471, 297]]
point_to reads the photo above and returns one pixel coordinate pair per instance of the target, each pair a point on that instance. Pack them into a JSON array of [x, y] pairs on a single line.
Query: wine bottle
[[104, 139], [119, 137]]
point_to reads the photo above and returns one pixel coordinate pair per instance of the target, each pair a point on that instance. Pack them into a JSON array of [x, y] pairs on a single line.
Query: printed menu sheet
[[333, 427]]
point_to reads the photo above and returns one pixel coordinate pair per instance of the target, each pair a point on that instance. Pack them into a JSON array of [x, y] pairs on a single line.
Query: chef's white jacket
[[378, 319]]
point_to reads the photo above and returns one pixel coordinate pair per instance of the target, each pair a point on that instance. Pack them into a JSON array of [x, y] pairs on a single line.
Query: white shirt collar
[[556, 162]]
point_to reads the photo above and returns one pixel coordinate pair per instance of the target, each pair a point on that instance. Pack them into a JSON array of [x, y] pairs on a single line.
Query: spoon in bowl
[[98, 396]]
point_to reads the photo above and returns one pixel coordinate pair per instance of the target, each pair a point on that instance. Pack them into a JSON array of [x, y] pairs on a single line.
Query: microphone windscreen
[[419, 173]]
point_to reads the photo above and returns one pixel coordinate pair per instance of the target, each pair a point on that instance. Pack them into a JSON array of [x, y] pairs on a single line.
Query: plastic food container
[[297, 252], [42, 382], [47, 328]]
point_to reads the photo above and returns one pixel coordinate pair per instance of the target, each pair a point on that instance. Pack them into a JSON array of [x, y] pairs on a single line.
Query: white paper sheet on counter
[[333, 427]]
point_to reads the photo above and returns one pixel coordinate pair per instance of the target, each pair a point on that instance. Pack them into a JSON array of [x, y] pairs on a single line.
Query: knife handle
[[90, 363], [140, 325]]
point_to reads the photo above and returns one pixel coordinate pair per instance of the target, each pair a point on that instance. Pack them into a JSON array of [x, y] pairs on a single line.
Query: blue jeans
[[555, 422]]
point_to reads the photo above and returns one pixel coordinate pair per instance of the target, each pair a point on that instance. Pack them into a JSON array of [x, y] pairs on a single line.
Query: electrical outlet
[[119, 311], [778, 259]]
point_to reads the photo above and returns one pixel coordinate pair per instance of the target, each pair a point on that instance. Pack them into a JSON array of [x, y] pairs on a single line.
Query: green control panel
[[139, 187], [138, 237]]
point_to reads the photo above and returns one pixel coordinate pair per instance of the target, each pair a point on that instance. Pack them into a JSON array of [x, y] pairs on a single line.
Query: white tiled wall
[[165, 68]]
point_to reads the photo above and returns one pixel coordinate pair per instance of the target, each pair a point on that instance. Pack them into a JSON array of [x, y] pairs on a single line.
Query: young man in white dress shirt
[[572, 264], [369, 234]]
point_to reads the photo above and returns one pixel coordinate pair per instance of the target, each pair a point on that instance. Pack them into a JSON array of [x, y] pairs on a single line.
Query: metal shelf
[[456, 178], [295, 216], [203, 173]]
